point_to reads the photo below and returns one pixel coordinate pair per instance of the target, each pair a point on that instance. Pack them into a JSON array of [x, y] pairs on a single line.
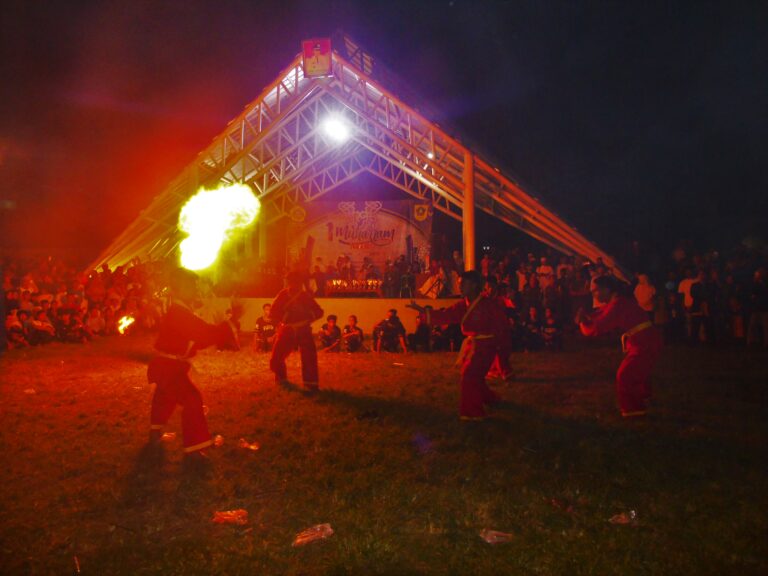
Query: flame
[[124, 322], [209, 218]]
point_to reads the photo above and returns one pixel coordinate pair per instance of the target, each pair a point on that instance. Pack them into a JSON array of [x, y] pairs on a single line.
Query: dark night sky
[[631, 121]]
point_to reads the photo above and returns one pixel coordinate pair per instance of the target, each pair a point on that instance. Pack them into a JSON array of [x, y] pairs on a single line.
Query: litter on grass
[[30, 391], [318, 532], [243, 443], [238, 517], [496, 537], [624, 518]]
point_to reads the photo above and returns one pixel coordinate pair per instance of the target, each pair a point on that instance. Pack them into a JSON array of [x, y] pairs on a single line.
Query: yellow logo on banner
[[420, 212]]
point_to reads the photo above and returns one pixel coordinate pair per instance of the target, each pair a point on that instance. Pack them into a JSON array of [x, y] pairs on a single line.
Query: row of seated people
[[531, 333]]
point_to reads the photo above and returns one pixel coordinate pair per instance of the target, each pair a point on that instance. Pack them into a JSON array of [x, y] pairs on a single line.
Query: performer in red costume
[[295, 309], [485, 329], [180, 335], [640, 340]]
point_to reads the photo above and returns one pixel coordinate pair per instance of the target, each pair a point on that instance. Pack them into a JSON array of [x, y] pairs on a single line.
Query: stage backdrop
[[379, 230]]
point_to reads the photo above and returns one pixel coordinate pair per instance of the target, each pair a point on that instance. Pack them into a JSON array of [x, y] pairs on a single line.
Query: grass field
[[380, 454]]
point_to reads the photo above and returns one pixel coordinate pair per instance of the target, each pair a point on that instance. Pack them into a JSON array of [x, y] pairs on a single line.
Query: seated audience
[[330, 335], [353, 335], [264, 334], [389, 334]]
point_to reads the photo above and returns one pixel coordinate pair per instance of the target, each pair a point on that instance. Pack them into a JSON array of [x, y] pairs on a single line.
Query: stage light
[[430, 155], [336, 128]]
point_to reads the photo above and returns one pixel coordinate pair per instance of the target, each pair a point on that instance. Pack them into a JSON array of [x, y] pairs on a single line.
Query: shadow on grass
[[142, 481]]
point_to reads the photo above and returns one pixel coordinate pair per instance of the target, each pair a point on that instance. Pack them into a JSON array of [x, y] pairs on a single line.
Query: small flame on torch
[[124, 322]]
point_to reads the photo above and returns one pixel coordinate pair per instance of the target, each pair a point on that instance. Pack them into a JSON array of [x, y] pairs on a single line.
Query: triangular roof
[[277, 146]]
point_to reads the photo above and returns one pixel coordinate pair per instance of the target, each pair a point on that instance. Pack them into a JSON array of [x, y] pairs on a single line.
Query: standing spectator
[[318, 280], [684, 288], [758, 318], [531, 297], [696, 312], [545, 274], [645, 294]]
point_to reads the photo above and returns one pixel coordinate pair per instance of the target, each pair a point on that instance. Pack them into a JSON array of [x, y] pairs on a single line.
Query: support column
[[468, 211]]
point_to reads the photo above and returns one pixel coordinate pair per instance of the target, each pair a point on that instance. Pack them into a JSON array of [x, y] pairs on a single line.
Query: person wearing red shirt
[[295, 309], [181, 334], [640, 340], [485, 330]]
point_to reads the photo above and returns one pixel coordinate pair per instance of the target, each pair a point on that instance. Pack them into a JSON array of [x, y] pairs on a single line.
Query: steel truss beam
[[277, 146]]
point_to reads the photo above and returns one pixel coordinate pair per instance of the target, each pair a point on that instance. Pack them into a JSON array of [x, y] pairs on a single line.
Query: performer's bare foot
[[311, 387]]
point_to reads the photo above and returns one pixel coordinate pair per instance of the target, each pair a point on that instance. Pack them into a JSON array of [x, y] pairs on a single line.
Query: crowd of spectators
[[46, 301], [694, 297]]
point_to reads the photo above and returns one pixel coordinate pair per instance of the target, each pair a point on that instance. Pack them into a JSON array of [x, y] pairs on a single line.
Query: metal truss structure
[[277, 146]]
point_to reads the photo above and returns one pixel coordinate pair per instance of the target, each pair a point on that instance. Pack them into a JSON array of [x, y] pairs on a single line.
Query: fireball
[[210, 218]]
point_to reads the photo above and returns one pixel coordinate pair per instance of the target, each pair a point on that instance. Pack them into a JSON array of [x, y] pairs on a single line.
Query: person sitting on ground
[[69, 328], [389, 334], [15, 331], [264, 334], [551, 331], [532, 323], [330, 335], [41, 330], [353, 335], [419, 341], [95, 322]]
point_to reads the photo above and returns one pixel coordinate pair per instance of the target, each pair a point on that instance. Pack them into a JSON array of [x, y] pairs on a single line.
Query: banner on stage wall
[[379, 230]]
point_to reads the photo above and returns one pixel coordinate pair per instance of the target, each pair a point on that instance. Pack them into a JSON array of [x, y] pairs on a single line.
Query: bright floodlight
[[336, 129]]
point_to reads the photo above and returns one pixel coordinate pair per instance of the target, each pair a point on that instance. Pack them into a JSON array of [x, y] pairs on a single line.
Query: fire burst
[[124, 322], [209, 218]]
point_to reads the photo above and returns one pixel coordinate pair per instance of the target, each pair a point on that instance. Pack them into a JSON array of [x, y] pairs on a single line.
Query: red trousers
[[475, 393], [286, 340], [501, 366], [633, 386], [175, 388]]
